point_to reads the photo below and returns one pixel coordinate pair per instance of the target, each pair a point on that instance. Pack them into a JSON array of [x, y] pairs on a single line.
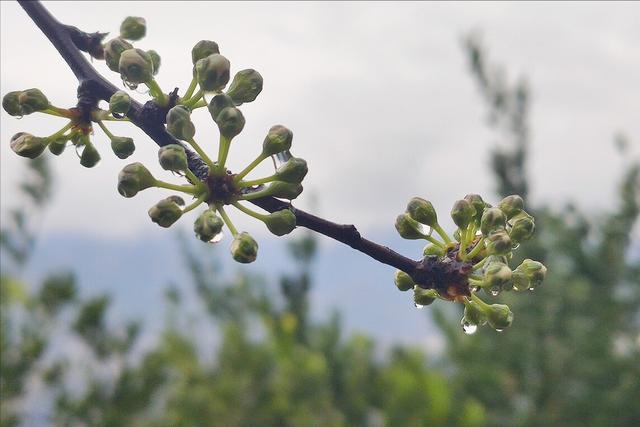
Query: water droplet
[[79, 150], [218, 237], [468, 328], [474, 288], [495, 291], [280, 158], [19, 117], [418, 306], [499, 330], [531, 289], [425, 229], [515, 247]]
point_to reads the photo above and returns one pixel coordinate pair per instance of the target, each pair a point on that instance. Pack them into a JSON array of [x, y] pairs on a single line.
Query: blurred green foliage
[[255, 357]]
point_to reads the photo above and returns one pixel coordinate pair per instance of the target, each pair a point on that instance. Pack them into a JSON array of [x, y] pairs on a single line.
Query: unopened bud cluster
[[475, 259]]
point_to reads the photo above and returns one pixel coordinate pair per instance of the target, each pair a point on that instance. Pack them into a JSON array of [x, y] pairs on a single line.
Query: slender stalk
[[192, 177], [442, 233], [156, 92], [189, 189], [105, 130], [476, 250], [227, 220], [223, 152], [199, 94], [190, 89], [254, 182], [61, 131], [201, 153], [479, 264], [195, 204], [251, 167], [249, 212]]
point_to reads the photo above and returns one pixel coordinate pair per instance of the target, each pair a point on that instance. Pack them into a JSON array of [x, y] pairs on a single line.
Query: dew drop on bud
[[495, 291], [418, 306], [499, 330], [424, 229], [515, 247], [468, 328], [218, 237], [531, 289], [474, 288], [281, 158]]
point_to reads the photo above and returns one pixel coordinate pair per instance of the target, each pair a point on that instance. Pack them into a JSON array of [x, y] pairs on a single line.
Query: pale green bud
[[58, 145], [122, 146], [213, 72], [499, 243], [284, 190], [408, 228], [32, 100], [433, 249], [179, 123], [155, 60], [499, 316], [136, 66], [120, 102], [208, 225], [173, 158], [133, 178], [511, 205], [133, 28], [219, 103], [492, 219], [90, 156], [462, 213], [113, 50], [422, 211], [520, 280], [403, 281], [278, 139], [422, 297], [497, 276], [166, 211], [245, 87], [244, 249], [281, 222], [230, 122], [522, 229], [474, 313], [534, 271], [478, 204], [293, 170], [26, 145], [11, 103], [202, 49]]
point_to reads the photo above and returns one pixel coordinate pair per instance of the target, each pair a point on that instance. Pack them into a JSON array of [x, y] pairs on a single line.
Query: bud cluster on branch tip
[[166, 211], [133, 28], [24, 102], [474, 257]]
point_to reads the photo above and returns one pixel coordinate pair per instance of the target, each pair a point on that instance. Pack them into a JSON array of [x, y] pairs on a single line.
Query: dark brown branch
[[69, 41]]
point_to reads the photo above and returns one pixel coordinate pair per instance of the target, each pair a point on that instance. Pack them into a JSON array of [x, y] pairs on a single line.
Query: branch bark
[[69, 42]]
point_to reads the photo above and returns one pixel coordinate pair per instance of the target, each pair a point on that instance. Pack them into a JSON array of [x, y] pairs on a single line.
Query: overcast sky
[[378, 96]]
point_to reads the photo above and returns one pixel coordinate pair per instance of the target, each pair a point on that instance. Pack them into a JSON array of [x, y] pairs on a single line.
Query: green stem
[[105, 130], [249, 168], [192, 177], [190, 89], [156, 92], [223, 152], [115, 119], [479, 264], [199, 104], [57, 111], [255, 182], [257, 194], [201, 153], [433, 240], [61, 131], [477, 299], [249, 212], [195, 204], [199, 94], [190, 189], [442, 233], [227, 220], [476, 250]]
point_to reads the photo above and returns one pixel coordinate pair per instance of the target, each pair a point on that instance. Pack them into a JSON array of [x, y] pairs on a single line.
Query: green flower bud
[[499, 316], [136, 66], [133, 178], [534, 271], [57, 146], [520, 280], [408, 228], [90, 156], [113, 50], [11, 103], [284, 190], [230, 122], [32, 100], [462, 213], [492, 219], [213, 72], [478, 204], [403, 281], [26, 145], [133, 28], [433, 249], [202, 49], [155, 60], [219, 103], [166, 211], [499, 243], [120, 102], [245, 87], [173, 158], [422, 297], [511, 205], [497, 276], [522, 229], [244, 249], [179, 123], [422, 211], [208, 225], [281, 222], [474, 313], [293, 170], [122, 146], [278, 139]]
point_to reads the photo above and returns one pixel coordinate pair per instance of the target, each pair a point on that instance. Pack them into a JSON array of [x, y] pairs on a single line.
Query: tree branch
[[69, 42]]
